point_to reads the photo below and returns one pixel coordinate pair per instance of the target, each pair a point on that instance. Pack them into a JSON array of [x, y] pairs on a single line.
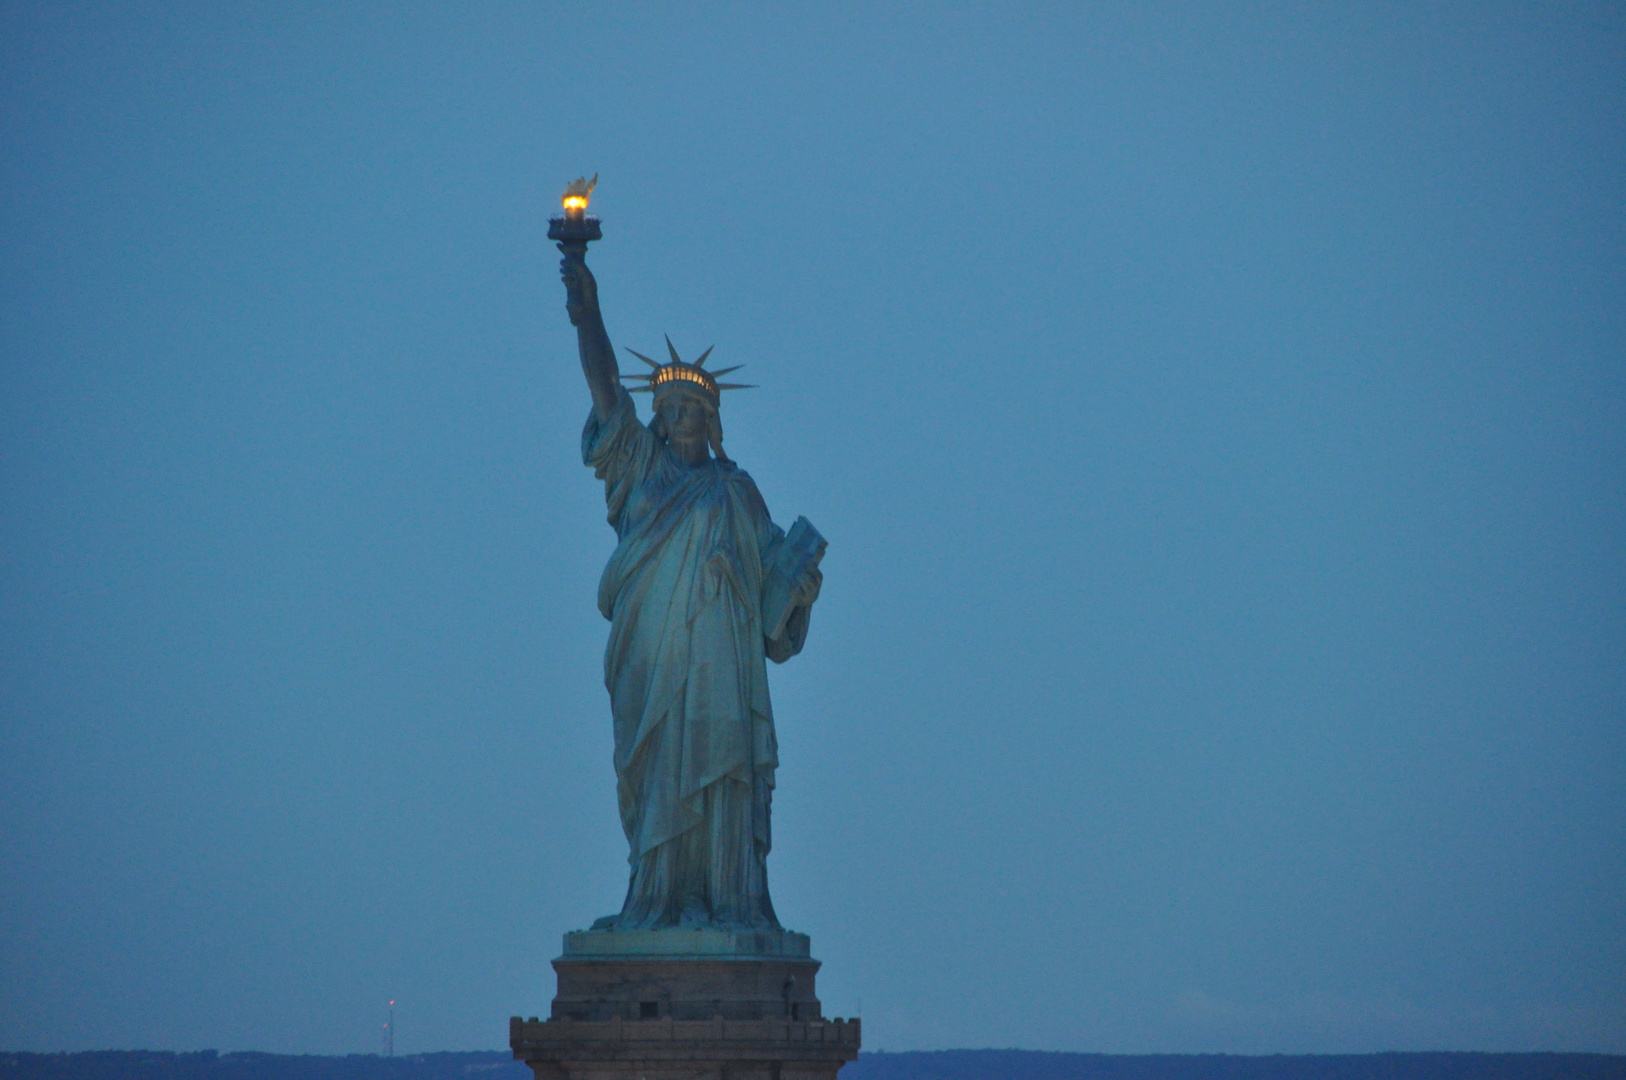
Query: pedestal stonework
[[685, 1005]]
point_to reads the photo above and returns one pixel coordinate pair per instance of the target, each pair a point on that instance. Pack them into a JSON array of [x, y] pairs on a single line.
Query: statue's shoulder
[[740, 481], [735, 475]]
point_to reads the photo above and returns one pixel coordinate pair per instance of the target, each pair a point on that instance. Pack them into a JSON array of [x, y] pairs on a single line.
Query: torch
[[575, 228]]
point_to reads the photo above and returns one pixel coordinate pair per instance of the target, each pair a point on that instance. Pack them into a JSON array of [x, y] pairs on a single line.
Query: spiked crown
[[680, 377]]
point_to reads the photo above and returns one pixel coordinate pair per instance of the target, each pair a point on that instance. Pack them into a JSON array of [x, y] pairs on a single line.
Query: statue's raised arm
[[598, 357]]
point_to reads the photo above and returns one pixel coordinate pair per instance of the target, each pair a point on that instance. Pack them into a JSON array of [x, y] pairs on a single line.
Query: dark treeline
[[210, 1065], [1036, 1065], [922, 1065]]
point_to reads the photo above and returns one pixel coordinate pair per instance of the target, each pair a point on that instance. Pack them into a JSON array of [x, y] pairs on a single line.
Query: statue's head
[[688, 417], [687, 397]]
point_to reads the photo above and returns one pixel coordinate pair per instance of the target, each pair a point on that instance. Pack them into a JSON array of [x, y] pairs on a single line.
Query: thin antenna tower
[[389, 1033]]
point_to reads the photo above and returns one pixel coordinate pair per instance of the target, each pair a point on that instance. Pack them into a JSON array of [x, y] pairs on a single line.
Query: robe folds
[[695, 750]]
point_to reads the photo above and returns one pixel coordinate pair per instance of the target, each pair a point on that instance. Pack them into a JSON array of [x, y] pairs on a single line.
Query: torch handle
[[573, 234]]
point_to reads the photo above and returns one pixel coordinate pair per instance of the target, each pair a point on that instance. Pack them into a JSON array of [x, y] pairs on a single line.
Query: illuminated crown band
[[681, 377]]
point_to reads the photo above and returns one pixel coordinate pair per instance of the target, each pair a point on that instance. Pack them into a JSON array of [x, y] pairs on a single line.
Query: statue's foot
[[695, 914], [607, 922]]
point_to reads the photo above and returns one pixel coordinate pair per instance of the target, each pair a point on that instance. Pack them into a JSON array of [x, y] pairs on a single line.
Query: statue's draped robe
[[695, 750]]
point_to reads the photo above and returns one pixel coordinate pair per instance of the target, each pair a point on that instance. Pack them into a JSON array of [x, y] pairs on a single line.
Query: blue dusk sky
[[1217, 414]]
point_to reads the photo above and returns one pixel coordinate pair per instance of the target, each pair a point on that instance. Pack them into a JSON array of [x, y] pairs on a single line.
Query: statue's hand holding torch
[[581, 289], [573, 230]]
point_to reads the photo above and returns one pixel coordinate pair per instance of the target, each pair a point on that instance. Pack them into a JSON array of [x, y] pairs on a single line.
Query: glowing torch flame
[[576, 195]]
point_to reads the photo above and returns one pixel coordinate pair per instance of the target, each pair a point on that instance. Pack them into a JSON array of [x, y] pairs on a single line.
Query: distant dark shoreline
[[909, 1065], [1043, 1065]]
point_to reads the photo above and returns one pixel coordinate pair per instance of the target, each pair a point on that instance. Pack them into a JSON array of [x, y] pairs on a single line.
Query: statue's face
[[686, 418]]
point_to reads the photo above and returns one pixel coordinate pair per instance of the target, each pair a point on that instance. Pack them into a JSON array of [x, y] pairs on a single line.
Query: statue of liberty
[[703, 588]]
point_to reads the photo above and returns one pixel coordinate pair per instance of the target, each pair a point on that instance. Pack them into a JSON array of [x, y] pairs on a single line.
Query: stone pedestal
[[685, 1005]]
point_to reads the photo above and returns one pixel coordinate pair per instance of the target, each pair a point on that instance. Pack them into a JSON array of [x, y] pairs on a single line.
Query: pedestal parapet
[[686, 944], [685, 1005]]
